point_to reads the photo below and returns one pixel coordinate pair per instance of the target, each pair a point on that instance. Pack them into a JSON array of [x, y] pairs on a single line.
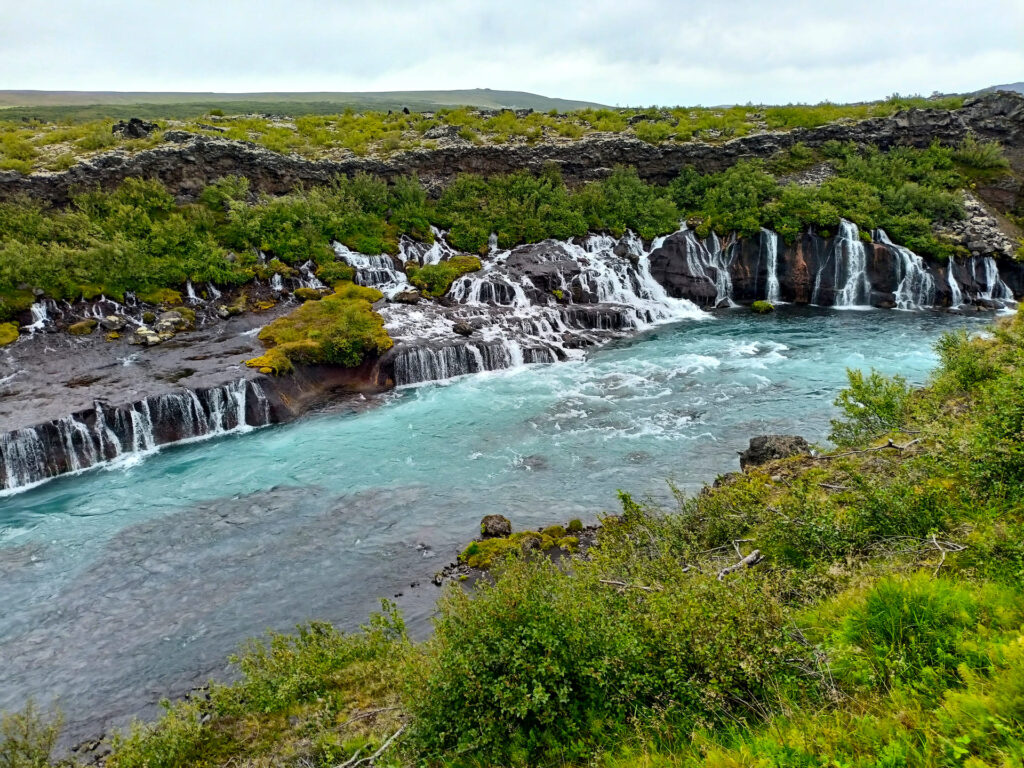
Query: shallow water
[[127, 584]]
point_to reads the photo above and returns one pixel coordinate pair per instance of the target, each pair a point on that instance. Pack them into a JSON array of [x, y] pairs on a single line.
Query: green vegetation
[[435, 279], [138, 239], [53, 137], [28, 737], [881, 626], [339, 329], [762, 307], [8, 333]]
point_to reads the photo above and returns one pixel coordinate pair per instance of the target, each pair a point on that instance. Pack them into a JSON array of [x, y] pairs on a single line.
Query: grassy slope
[[884, 626]]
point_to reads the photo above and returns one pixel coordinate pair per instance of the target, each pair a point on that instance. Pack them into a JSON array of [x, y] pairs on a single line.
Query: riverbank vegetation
[[857, 607], [29, 143]]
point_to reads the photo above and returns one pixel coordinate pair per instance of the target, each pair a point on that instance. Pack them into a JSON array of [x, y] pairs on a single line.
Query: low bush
[[28, 737], [435, 279], [872, 406]]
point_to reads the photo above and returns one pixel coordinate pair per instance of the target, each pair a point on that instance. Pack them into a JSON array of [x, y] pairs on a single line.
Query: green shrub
[[340, 329], [542, 667], [870, 407], [435, 279], [762, 307], [27, 738], [981, 155]]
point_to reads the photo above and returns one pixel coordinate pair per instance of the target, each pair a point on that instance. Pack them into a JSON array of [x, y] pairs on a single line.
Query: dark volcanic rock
[[495, 526], [134, 128], [765, 448], [186, 163]]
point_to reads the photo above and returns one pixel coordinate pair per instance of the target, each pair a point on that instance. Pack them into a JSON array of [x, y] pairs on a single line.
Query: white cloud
[[637, 52]]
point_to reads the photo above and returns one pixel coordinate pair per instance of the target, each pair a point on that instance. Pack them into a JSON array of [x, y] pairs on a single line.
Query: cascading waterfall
[[373, 271], [40, 315], [190, 293], [770, 243], [423, 254], [956, 296], [522, 307], [708, 260], [75, 443], [849, 269], [308, 278], [277, 283], [995, 289], [915, 287]]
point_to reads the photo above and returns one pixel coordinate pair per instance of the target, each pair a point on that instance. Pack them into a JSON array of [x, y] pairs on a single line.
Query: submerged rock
[[765, 448]]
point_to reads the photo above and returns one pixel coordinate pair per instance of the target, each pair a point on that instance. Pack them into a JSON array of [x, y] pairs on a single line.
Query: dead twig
[[383, 747], [749, 561], [890, 444], [368, 713], [624, 586]]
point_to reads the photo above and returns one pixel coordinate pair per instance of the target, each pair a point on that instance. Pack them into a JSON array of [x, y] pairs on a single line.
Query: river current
[[124, 584]]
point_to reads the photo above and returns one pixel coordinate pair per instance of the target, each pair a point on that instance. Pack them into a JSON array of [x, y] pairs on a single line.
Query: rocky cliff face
[[188, 162]]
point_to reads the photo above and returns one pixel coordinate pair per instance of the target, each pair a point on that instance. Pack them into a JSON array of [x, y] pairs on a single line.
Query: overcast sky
[[621, 52]]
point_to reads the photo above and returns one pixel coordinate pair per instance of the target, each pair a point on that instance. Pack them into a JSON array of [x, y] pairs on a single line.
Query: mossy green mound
[[83, 327], [762, 307], [8, 333], [435, 279], [340, 329]]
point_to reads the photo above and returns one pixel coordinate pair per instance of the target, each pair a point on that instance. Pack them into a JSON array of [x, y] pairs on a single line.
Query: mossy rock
[[553, 531], [435, 279], [160, 296], [569, 543], [8, 333], [188, 315], [263, 306], [149, 318], [575, 525], [113, 336], [762, 307], [307, 294], [83, 327], [13, 302]]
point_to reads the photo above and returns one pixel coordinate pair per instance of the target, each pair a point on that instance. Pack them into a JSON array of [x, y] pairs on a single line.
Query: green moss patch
[[762, 307], [8, 333], [435, 279], [340, 329], [83, 327]]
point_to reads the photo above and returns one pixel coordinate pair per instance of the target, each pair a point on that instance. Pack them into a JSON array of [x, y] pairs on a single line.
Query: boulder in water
[[495, 527], [765, 448], [463, 328], [113, 323], [406, 297], [145, 336]]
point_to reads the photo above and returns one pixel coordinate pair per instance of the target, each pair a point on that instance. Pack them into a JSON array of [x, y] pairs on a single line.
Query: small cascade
[[915, 288], [423, 254], [848, 260], [770, 244], [956, 296], [212, 292], [374, 271], [707, 260], [40, 315], [190, 293], [74, 443], [308, 278], [995, 289], [276, 283]]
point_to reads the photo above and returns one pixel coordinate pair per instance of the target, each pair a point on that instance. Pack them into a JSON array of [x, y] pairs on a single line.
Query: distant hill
[[92, 104], [1018, 87]]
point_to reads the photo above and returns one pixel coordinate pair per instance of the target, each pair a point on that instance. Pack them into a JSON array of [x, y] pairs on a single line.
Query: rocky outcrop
[[187, 162], [978, 232], [765, 448]]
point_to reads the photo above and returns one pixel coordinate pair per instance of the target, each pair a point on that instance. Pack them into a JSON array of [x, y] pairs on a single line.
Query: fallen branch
[[890, 444], [383, 747], [944, 547], [749, 561], [623, 585], [368, 713]]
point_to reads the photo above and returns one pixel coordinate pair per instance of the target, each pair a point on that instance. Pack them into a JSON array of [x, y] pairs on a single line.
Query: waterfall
[[276, 283], [308, 278], [34, 454], [40, 315], [374, 271], [190, 293], [770, 243], [534, 304], [709, 261], [956, 296], [849, 270], [212, 292], [915, 287], [422, 254], [995, 288]]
